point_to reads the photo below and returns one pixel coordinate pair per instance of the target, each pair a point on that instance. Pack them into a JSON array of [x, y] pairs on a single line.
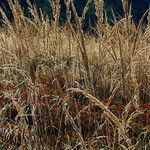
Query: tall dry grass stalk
[[39, 61]]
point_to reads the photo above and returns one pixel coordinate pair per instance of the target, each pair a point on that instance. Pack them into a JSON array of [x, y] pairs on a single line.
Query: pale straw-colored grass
[[39, 61]]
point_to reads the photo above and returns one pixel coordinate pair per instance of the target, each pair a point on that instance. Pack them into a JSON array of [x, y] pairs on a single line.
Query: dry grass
[[108, 76]]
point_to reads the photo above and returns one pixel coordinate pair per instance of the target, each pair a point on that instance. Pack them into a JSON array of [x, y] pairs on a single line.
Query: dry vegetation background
[[62, 89]]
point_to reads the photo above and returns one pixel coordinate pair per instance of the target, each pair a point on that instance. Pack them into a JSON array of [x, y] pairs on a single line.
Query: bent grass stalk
[[109, 114]]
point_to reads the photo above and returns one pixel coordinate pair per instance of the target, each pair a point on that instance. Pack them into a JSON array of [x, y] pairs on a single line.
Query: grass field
[[61, 89]]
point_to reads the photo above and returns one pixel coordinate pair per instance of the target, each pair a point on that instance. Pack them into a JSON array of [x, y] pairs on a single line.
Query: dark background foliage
[[138, 9]]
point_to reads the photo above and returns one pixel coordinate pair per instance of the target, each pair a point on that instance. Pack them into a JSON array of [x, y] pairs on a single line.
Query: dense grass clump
[[62, 89]]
